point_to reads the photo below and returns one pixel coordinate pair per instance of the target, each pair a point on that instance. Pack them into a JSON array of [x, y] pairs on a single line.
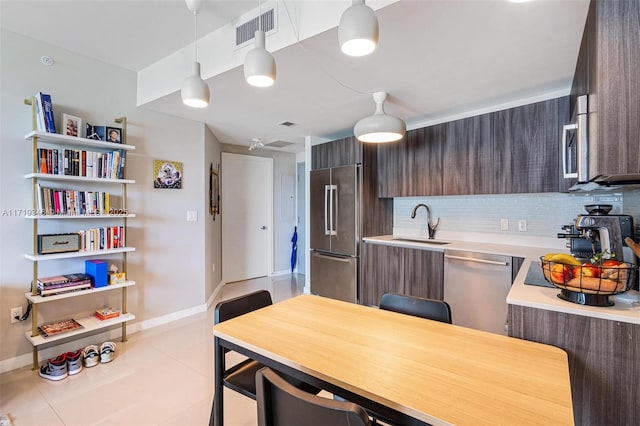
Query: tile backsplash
[[479, 217]]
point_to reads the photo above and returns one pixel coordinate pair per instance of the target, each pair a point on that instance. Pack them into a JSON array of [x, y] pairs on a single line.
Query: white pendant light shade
[[195, 91], [380, 127], [259, 65], [358, 30]]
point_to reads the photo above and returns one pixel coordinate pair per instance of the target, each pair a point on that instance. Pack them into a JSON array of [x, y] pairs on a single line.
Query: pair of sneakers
[[66, 364], [93, 354]]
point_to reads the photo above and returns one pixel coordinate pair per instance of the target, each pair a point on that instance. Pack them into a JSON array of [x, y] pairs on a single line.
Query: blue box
[[97, 269]]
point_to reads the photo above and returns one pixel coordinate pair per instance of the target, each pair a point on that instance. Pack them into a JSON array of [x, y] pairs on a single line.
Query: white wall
[[173, 256]]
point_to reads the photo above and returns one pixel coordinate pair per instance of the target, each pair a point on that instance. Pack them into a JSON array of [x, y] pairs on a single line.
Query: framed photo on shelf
[[98, 133], [71, 125], [114, 134]]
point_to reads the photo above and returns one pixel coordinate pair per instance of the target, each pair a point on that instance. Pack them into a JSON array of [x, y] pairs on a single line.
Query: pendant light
[[259, 65], [358, 30], [380, 127], [195, 91]]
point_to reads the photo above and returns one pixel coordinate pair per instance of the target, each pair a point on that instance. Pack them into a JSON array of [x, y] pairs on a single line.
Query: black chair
[[281, 404], [436, 310], [241, 377]]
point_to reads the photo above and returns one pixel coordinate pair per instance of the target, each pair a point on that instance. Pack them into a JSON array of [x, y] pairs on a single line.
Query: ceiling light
[[380, 127], [358, 30], [259, 65], [256, 143], [195, 91]]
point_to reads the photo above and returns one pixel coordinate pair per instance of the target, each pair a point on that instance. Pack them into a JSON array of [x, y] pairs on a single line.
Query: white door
[[247, 216]]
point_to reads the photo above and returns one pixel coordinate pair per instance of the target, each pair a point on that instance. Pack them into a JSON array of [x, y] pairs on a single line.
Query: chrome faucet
[[431, 227]]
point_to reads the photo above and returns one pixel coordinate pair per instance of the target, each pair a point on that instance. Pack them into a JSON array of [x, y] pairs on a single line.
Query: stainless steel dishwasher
[[476, 287]]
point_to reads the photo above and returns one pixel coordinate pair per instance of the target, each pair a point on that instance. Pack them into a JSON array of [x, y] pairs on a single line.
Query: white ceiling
[[435, 58]]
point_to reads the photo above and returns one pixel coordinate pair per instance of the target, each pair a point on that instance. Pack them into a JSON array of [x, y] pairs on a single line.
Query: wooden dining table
[[411, 370]]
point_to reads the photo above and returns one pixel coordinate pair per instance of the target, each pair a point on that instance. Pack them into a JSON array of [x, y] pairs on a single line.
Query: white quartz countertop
[[521, 294]]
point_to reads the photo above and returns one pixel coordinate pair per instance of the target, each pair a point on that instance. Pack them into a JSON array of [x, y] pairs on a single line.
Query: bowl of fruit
[[588, 283]]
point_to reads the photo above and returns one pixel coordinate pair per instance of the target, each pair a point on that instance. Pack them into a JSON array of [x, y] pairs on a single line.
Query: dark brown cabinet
[[603, 361], [526, 147], [424, 273], [390, 269], [398, 163], [468, 155], [510, 151], [608, 70]]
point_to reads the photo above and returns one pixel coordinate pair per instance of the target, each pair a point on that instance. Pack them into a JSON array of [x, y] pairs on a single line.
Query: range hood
[[609, 183]]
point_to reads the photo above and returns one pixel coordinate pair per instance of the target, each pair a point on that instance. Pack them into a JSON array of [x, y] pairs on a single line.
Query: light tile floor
[[160, 376]]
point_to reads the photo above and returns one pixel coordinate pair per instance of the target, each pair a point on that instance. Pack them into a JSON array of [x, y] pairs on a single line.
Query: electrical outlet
[[504, 224], [522, 225], [16, 312]]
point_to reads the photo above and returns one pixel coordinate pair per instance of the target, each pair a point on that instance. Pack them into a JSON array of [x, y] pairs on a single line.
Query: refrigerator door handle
[[334, 209], [336, 258], [327, 192]]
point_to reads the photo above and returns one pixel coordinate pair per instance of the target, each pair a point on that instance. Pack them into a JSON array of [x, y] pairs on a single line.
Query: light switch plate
[[192, 216], [522, 225], [504, 224]]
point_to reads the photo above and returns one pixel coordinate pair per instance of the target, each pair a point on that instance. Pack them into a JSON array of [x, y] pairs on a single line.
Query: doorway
[[247, 216]]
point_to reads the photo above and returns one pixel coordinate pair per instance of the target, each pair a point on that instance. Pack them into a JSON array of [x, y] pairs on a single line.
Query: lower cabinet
[[390, 269], [603, 361]]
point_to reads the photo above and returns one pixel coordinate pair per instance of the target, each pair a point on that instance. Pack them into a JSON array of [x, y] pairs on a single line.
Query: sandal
[[91, 356], [107, 352]]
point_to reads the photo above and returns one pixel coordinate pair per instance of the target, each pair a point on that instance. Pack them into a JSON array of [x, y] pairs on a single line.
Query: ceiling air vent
[[278, 144], [246, 32], [286, 124]]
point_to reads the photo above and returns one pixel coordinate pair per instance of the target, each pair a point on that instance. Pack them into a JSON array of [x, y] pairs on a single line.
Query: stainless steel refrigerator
[[335, 232]]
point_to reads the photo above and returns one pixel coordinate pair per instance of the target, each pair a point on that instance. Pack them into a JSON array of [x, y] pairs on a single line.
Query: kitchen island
[[603, 343]]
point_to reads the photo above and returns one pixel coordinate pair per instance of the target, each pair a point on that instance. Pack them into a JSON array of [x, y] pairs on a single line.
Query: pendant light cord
[[320, 64], [259, 15], [195, 33]]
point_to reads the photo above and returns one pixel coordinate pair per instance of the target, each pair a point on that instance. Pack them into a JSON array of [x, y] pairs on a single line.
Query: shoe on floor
[[107, 352], [54, 368], [91, 355], [74, 361]]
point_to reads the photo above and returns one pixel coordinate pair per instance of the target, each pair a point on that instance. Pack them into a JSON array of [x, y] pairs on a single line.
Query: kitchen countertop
[[521, 294]]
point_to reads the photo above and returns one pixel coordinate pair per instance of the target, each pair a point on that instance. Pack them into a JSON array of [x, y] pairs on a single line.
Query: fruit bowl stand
[[589, 284]]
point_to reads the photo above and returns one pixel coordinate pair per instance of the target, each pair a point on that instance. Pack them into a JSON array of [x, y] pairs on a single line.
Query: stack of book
[[107, 313], [48, 286], [76, 162]]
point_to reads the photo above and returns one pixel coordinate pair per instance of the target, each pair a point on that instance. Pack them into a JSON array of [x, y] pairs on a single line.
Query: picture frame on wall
[[71, 125], [214, 191], [167, 174]]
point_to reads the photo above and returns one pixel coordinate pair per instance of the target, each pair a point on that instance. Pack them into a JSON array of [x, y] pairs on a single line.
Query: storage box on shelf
[[96, 162]]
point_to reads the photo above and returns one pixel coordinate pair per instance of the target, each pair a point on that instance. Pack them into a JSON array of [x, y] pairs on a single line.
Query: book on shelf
[[56, 327], [107, 313], [69, 288], [44, 113], [76, 162], [58, 284]]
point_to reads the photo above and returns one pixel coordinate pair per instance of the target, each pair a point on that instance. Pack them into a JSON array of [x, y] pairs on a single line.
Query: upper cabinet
[[608, 70], [510, 151]]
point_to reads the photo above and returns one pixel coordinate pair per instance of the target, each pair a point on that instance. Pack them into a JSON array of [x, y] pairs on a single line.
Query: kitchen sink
[[418, 240]]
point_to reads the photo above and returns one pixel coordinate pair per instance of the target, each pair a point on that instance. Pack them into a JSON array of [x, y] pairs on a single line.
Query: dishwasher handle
[[471, 259]]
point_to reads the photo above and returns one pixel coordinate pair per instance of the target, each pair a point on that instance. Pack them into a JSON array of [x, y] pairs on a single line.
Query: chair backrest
[[241, 305], [436, 310], [281, 404]]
